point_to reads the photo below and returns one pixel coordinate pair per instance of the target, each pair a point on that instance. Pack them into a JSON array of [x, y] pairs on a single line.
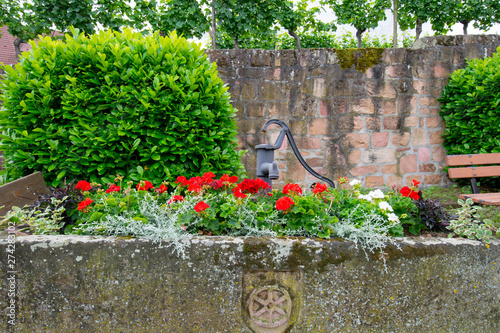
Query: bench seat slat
[[473, 159], [488, 199], [473, 172]]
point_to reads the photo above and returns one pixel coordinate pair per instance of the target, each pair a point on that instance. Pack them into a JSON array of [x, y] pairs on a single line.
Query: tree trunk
[[17, 46], [465, 23], [359, 33], [236, 44], [395, 25], [418, 29], [296, 37], [213, 34]]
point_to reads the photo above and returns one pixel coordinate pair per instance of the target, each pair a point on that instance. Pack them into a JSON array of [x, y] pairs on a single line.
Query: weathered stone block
[[357, 140], [379, 156], [433, 122], [319, 126], [364, 170], [391, 122], [380, 139], [380, 89], [438, 154], [248, 90], [394, 180], [260, 58], [427, 167], [269, 90], [436, 138], [408, 164], [391, 168], [250, 73], [361, 106], [374, 181], [315, 87], [372, 123], [424, 154], [354, 156], [432, 179], [419, 137], [255, 109], [401, 139]]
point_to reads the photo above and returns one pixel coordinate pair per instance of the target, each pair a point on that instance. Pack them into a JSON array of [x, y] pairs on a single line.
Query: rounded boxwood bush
[[117, 103], [471, 108]]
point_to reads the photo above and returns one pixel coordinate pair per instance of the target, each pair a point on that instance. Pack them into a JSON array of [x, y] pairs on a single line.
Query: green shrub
[[471, 108], [117, 103]]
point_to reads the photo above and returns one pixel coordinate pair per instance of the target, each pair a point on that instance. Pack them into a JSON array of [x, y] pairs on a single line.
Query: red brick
[[354, 156], [362, 106], [391, 123], [432, 179], [401, 139], [433, 122], [427, 167]]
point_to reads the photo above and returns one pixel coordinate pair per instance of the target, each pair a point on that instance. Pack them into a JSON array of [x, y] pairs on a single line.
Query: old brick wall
[[380, 125]]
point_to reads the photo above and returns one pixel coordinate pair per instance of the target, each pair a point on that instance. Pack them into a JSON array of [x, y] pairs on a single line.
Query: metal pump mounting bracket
[[267, 168]]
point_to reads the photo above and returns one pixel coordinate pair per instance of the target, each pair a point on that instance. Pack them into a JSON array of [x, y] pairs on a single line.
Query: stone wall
[[261, 285], [369, 114]]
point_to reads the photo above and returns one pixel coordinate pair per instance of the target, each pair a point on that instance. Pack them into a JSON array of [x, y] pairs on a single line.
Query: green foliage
[[116, 103], [471, 108], [414, 13], [361, 14], [483, 14], [312, 39], [41, 222], [468, 223]]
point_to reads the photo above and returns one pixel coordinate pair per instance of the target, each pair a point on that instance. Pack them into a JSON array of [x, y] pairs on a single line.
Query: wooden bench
[[467, 167]]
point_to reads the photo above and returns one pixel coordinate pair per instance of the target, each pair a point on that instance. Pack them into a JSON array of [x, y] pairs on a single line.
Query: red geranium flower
[[84, 203], [181, 180], [226, 179], [194, 188], [415, 183], [320, 188], [292, 188], [144, 185], [176, 198], [113, 188], [83, 185], [284, 204], [253, 185], [407, 192], [237, 193], [200, 206], [162, 188], [208, 177]]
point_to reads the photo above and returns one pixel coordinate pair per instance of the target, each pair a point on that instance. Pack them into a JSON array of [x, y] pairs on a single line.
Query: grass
[[448, 196]]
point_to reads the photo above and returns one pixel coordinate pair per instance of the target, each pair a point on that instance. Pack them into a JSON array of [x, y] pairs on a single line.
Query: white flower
[[366, 197], [392, 217], [354, 182], [377, 194], [385, 206]]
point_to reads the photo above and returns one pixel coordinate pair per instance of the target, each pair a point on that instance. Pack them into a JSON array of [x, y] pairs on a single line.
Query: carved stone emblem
[[271, 300], [270, 306]]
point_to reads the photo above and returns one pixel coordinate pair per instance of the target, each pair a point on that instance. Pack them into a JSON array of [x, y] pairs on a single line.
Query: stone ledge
[[108, 284]]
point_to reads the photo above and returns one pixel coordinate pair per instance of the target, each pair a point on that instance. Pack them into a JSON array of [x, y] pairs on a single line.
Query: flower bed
[[206, 205]]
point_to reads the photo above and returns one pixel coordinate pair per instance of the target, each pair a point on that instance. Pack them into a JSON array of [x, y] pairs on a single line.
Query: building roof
[[7, 51]]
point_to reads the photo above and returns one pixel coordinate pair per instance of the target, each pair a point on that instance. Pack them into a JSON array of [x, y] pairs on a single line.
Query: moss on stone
[[361, 59]]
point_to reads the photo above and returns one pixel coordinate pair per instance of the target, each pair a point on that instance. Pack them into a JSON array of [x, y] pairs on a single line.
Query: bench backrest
[[467, 165]]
